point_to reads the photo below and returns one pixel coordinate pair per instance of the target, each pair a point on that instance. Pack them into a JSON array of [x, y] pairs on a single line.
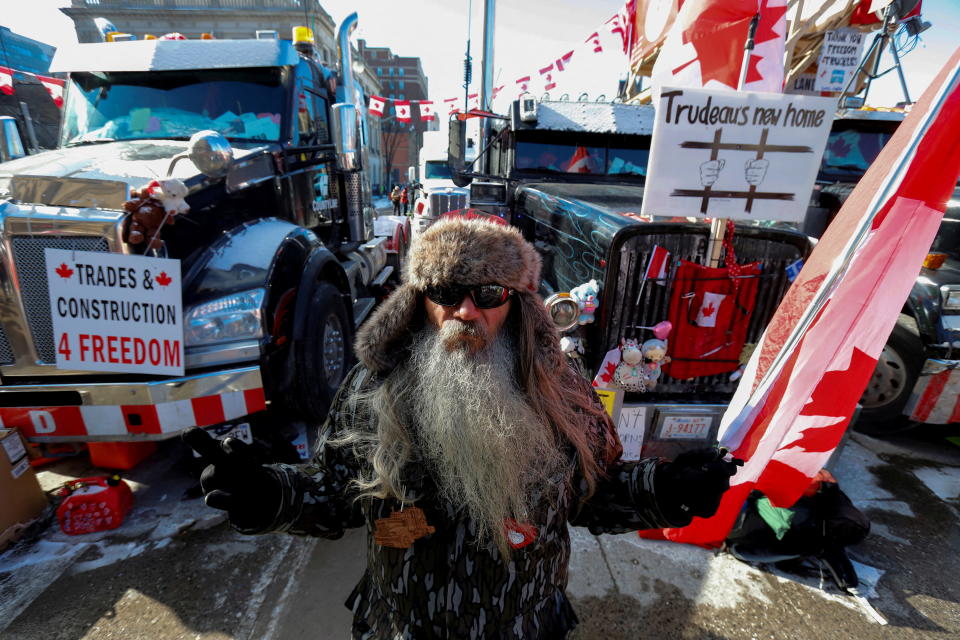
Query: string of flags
[[54, 86], [620, 26]]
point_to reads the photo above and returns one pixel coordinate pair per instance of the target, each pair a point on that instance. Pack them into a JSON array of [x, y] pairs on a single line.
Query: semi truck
[[278, 254]]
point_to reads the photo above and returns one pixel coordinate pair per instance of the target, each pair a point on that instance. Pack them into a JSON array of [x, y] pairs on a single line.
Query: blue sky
[[530, 34]]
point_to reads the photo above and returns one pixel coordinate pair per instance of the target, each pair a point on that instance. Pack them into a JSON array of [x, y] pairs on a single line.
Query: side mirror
[[456, 152], [11, 145], [345, 130], [209, 151]]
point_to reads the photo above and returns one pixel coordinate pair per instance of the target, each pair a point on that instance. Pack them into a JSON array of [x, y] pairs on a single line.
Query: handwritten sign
[[686, 427], [839, 58], [113, 312], [741, 155], [631, 428]]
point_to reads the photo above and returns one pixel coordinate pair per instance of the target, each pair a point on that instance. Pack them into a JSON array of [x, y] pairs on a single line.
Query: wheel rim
[[333, 350], [888, 381]]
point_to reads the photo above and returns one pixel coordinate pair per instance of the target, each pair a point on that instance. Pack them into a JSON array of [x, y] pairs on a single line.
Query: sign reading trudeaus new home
[[735, 154], [115, 312]]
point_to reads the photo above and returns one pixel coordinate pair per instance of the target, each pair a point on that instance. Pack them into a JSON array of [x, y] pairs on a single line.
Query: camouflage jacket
[[445, 585]]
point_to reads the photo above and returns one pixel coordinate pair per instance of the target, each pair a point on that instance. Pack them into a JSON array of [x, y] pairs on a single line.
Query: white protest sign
[[113, 312], [631, 428], [742, 155], [839, 57]]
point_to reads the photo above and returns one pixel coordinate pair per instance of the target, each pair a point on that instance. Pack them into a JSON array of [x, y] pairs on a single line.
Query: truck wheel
[[893, 379], [324, 354]]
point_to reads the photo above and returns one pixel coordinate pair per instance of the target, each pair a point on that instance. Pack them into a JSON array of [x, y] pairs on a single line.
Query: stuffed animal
[[630, 374], [655, 351], [586, 296], [573, 347], [150, 208]]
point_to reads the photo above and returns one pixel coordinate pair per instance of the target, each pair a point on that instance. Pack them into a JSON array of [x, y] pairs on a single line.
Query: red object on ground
[[120, 455], [95, 504]]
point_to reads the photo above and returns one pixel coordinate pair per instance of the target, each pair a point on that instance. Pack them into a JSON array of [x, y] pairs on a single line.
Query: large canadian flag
[[54, 87], [377, 104], [704, 47], [403, 110], [811, 365], [427, 112]]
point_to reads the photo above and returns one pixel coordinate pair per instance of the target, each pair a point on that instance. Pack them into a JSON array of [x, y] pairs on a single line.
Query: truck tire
[[893, 379], [323, 355]]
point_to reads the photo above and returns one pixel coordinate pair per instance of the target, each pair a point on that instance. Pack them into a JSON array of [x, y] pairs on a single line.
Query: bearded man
[[464, 444]]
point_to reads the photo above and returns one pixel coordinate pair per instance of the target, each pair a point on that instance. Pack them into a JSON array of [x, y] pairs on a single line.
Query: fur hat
[[455, 251]]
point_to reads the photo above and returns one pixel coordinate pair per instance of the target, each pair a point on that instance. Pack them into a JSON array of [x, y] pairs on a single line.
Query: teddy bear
[[150, 208], [586, 296], [655, 351], [630, 373]]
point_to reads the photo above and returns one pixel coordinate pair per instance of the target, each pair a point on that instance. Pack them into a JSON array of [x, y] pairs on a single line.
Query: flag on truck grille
[[377, 104], [705, 45], [812, 363], [658, 265]]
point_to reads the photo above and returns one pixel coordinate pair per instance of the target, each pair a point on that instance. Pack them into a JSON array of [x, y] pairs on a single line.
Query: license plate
[[240, 431], [686, 427]]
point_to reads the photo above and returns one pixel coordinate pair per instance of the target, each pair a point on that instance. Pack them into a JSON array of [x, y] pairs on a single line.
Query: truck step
[[361, 309], [382, 277]]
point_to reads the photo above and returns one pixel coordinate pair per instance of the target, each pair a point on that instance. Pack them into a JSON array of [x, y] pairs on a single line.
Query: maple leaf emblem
[[163, 279], [64, 271], [708, 310]]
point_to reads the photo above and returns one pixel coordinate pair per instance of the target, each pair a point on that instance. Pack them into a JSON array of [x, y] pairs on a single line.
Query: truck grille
[[6, 353], [441, 203], [774, 249], [28, 257]]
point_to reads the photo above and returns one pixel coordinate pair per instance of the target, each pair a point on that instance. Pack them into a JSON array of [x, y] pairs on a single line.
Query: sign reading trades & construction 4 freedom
[[115, 312], [735, 154]]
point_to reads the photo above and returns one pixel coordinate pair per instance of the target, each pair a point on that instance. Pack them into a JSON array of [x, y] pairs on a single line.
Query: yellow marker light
[[934, 260], [206, 36], [302, 34], [149, 36]]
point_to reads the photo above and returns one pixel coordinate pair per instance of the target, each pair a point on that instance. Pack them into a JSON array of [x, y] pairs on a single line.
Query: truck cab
[[278, 255], [571, 176]]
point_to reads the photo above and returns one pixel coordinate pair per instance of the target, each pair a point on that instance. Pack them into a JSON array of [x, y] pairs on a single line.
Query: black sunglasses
[[484, 296]]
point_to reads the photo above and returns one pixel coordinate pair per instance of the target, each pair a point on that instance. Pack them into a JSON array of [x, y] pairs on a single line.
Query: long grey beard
[[489, 453]]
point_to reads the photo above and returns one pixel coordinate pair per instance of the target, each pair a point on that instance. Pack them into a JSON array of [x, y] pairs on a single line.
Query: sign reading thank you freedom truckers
[[116, 313], [742, 155]]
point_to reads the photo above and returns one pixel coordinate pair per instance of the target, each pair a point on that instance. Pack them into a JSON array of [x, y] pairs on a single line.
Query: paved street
[[175, 570]]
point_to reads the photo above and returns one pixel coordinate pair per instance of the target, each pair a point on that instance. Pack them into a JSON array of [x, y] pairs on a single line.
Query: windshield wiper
[[97, 141]]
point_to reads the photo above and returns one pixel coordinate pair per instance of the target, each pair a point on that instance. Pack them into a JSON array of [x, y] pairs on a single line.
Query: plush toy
[[573, 347], [150, 208], [655, 351], [630, 374], [586, 296]]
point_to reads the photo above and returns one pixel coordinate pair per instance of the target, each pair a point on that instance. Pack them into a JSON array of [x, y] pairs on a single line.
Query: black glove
[[693, 484], [235, 481]]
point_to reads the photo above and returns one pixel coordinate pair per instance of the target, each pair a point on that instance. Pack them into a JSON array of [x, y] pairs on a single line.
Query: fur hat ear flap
[[380, 342]]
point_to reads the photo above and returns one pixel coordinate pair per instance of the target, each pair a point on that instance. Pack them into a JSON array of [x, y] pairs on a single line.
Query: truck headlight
[[951, 299], [227, 319]]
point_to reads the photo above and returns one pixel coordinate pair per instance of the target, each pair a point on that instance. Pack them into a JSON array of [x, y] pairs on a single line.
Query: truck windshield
[[436, 170], [572, 158], [242, 104], [850, 152]]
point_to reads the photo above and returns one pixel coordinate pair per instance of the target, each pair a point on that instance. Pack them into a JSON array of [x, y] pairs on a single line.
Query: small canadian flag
[[658, 265], [403, 110], [707, 316], [474, 101], [594, 39], [523, 84], [452, 107], [377, 104], [6, 81], [427, 112], [547, 74]]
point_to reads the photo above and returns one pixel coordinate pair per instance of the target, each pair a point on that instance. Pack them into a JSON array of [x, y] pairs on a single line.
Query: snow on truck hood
[[135, 162], [172, 55]]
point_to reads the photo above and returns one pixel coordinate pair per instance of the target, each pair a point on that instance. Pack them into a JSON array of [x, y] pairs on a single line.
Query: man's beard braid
[[489, 453]]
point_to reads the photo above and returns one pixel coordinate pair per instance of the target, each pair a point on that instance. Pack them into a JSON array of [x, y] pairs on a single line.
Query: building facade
[[401, 78]]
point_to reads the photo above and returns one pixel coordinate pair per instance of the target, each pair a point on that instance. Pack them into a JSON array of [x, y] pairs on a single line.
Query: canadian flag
[[523, 84], [707, 315], [6, 80], [452, 107], [580, 162], [427, 112], [54, 87], [377, 105], [704, 47], [621, 24], [474, 101], [810, 366], [402, 108], [657, 265], [594, 39], [496, 92], [547, 72]]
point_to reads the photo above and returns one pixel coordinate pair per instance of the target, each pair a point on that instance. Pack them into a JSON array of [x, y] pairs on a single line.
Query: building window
[[391, 97], [401, 96], [379, 71], [401, 71], [401, 82]]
